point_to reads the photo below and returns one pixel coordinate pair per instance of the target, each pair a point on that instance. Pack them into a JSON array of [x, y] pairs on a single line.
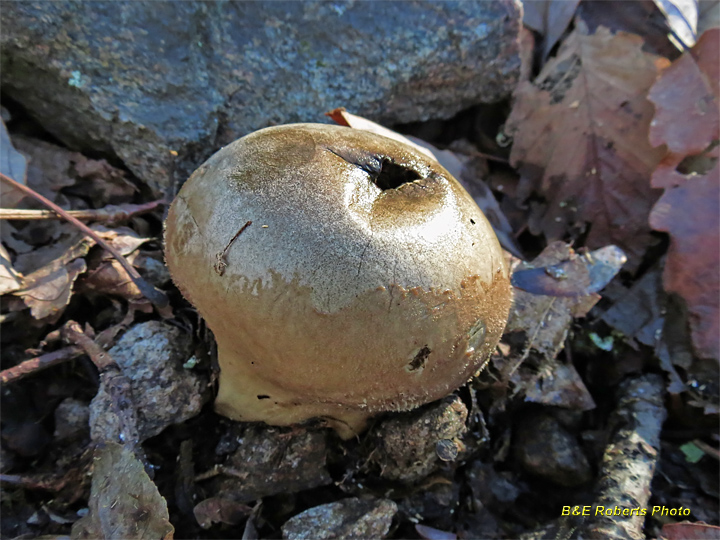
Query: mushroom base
[[314, 369], [251, 402]]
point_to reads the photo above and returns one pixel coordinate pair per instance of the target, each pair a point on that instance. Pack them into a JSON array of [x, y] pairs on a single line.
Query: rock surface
[[144, 80], [350, 519], [72, 418], [272, 460], [413, 445], [151, 355], [545, 448]]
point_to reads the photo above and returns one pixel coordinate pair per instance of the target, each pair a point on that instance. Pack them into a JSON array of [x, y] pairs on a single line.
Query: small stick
[[709, 450], [35, 365], [221, 263], [110, 213], [630, 458], [45, 482], [221, 469], [156, 296], [73, 332]]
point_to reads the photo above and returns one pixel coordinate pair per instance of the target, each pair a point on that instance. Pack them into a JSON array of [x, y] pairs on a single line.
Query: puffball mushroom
[[343, 274]]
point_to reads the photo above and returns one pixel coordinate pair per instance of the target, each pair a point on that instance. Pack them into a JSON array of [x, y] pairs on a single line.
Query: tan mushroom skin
[[368, 280]]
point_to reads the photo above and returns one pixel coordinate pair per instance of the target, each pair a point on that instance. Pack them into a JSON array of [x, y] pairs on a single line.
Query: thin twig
[[221, 469], [220, 262], [530, 341], [73, 332], [156, 296], [709, 450], [74, 478], [35, 365], [111, 213], [46, 482]]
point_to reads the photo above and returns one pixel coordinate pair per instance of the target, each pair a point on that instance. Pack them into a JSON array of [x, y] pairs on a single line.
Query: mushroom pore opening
[[392, 175]]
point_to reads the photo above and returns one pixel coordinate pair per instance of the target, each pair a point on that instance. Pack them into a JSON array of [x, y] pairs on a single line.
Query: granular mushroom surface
[[343, 274]]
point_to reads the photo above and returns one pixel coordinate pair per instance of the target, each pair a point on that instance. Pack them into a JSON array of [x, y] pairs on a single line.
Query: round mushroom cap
[[342, 273]]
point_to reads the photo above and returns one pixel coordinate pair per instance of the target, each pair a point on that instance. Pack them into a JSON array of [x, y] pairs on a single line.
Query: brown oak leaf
[[691, 214], [581, 139], [687, 121]]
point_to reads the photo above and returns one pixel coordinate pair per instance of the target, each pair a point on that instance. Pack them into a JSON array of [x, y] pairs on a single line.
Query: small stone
[[412, 445], [151, 355], [271, 460], [546, 449], [72, 418], [447, 450], [350, 519]]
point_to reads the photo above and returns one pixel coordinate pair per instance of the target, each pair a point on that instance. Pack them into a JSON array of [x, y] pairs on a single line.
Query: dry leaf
[[124, 502], [578, 276], [343, 118], [640, 313], [52, 168], [554, 384], [686, 97], [107, 276], [10, 280], [47, 291], [123, 239], [105, 273], [50, 273], [550, 18], [580, 137], [547, 319], [682, 18], [48, 167], [689, 531], [641, 17], [220, 510], [9, 236], [66, 248], [14, 165], [100, 182], [686, 102], [691, 214]]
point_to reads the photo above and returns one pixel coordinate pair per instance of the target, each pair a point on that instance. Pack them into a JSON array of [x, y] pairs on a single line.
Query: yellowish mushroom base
[[345, 372]]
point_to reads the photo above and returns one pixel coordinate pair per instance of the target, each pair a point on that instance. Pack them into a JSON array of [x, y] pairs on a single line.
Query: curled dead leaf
[[47, 291]]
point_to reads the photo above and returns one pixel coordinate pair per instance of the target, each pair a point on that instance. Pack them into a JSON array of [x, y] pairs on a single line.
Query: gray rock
[[272, 460], [151, 355], [349, 519], [491, 488], [436, 502], [413, 445], [143, 79], [72, 418], [545, 448]]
